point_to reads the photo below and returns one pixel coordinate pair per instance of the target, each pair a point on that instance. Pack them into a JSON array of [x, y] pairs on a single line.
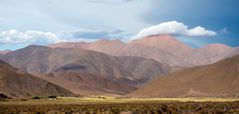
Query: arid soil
[[123, 108]]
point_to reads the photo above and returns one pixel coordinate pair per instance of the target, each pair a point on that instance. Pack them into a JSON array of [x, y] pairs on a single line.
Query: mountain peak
[[164, 42], [69, 45], [5, 51], [164, 37], [31, 47], [159, 40]]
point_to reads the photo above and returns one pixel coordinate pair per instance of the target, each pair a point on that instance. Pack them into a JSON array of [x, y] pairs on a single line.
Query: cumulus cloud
[[28, 37], [15, 37], [174, 28]]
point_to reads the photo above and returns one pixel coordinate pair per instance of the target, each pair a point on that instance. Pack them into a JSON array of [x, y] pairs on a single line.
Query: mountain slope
[[87, 84], [16, 83], [111, 47], [210, 54], [216, 80], [43, 61], [157, 54]]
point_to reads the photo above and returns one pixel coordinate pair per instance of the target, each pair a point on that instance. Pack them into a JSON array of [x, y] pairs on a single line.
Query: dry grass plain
[[112, 105]]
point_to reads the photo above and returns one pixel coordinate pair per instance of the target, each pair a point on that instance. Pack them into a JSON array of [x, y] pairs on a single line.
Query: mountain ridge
[[163, 48]]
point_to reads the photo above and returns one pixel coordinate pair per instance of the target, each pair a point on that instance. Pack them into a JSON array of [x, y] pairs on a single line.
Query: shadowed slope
[[16, 83], [88, 84]]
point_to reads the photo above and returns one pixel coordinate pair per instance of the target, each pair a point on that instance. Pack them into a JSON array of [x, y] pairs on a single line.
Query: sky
[[42, 22]]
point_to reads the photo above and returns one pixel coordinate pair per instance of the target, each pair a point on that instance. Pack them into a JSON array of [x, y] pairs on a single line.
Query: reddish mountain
[[163, 48], [155, 47], [181, 54], [216, 80], [209, 54], [167, 43], [16, 83], [111, 47]]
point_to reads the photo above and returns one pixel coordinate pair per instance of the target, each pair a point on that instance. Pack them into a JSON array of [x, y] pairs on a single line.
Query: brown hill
[[43, 60], [16, 83], [216, 80]]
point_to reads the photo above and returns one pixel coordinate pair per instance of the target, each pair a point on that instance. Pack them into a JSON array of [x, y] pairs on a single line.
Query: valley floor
[[110, 105]]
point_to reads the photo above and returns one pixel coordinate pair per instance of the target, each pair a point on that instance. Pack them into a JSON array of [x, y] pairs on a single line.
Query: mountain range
[[154, 66], [162, 48]]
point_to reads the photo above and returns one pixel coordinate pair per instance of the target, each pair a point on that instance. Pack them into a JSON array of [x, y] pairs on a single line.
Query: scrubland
[[111, 105]]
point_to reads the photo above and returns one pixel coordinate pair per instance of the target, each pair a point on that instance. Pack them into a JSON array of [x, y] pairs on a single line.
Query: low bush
[[52, 97], [36, 97]]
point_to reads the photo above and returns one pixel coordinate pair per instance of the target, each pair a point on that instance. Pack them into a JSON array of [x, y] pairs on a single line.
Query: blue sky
[[197, 22]]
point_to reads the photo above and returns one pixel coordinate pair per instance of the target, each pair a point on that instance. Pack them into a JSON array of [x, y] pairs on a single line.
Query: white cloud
[[200, 31], [15, 37], [28, 37], [174, 28]]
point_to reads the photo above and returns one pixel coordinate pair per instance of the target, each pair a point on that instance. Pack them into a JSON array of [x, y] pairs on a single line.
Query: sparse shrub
[[52, 97], [126, 108], [36, 97]]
